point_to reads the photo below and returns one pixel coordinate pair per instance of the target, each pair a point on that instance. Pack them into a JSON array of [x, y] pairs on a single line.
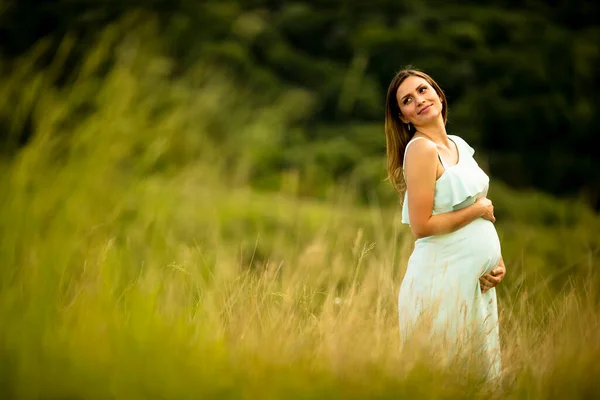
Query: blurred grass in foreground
[[137, 262]]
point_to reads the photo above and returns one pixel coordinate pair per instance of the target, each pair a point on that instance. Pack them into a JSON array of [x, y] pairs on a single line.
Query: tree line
[[520, 77]]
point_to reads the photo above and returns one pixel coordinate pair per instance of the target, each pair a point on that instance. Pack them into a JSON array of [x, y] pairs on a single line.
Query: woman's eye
[[422, 89], [406, 101]]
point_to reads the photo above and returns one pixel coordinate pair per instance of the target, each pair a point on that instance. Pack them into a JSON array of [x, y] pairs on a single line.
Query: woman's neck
[[436, 132]]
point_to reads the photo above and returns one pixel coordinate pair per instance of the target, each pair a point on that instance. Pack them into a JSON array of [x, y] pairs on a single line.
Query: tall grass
[[137, 263]]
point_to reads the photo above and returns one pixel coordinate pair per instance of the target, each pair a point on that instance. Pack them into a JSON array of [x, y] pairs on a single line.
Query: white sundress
[[440, 291]]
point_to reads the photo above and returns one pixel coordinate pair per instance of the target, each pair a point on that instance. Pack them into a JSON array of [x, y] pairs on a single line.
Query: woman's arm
[[421, 174], [454, 220]]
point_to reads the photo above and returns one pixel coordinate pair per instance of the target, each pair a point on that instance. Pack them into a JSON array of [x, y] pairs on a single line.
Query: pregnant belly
[[472, 250], [481, 244]]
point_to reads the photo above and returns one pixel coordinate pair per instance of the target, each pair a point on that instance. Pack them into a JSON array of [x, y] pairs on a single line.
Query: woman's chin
[[431, 118]]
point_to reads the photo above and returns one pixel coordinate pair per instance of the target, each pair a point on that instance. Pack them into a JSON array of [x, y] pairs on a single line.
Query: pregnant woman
[[447, 296]]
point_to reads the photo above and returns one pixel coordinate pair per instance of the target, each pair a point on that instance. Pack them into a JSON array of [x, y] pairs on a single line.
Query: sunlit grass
[[137, 262]]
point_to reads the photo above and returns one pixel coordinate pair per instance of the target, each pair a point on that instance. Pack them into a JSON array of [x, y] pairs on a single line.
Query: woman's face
[[418, 101]]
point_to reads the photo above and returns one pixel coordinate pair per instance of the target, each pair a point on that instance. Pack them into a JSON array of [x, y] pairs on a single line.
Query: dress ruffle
[[459, 186], [461, 182]]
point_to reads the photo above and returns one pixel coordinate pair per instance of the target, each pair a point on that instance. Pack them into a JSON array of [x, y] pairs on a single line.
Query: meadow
[[138, 259]]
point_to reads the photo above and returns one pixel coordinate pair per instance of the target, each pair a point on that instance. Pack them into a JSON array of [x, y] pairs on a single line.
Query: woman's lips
[[425, 109]]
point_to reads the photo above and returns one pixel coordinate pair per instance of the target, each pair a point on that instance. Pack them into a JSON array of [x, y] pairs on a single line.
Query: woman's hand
[[488, 281], [486, 208]]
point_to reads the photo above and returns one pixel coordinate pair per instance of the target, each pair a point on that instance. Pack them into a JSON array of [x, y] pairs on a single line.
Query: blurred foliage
[[520, 76], [138, 260], [125, 125]]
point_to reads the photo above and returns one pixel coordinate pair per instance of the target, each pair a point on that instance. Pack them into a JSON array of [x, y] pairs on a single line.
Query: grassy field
[[138, 263]]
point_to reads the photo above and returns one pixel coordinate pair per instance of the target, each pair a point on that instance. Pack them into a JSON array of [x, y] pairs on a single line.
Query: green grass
[[137, 262]]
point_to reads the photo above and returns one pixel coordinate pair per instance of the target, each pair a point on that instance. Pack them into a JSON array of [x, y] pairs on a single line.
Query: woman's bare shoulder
[[420, 152], [419, 147]]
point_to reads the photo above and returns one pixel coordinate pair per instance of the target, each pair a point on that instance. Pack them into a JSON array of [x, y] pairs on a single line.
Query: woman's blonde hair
[[397, 134]]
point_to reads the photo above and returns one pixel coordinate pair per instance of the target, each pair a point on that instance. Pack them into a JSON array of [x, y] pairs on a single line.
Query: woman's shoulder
[[420, 145], [419, 149]]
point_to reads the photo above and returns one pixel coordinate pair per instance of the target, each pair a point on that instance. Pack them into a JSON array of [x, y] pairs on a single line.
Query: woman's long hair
[[397, 134]]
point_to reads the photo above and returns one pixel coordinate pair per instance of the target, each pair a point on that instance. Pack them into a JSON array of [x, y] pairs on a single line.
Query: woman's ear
[[404, 120]]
